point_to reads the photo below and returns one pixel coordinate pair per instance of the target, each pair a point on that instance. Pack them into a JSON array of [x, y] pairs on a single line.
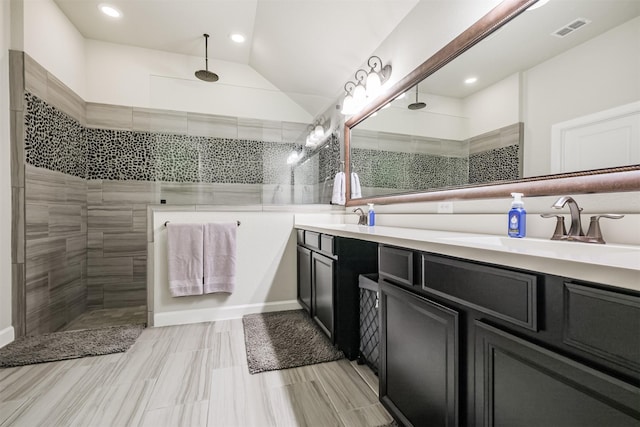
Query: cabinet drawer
[[603, 323], [312, 239], [505, 294], [300, 234], [396, 264], [326, 244], [520, 383]]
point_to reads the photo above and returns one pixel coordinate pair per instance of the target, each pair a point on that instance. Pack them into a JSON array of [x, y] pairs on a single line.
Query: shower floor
[[100, 318]]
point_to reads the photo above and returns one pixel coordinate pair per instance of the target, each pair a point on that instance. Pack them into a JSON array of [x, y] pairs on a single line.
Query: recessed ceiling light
[[237, 37], [470, 80], [109, 10]]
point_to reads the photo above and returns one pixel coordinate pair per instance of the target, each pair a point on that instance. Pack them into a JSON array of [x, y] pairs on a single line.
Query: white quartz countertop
[[616, 265]]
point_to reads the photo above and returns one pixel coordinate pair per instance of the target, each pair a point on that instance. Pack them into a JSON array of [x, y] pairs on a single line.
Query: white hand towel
[[220, 257], [338, 197], [356, 190], [184, 253]]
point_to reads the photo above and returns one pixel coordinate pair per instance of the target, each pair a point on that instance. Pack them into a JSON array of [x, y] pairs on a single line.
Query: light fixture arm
[[361, 76], [349, 87]]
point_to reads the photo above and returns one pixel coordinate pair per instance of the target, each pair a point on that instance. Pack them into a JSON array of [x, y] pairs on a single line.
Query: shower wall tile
[[35, 78], [140, 218], [112, 270], [208, 125], [18, 225], [17, 148], [495, 165], [95, 244], [94, 191], [18, 298], [163, 121], [65, 220], [76, 248], [44, 185], [260, 130], [63, 275], [64, 99], [16, 80], [37, 220], [110, 218], [124, 244], [107, 116], [499, 138], [119, 192], [236, 194]]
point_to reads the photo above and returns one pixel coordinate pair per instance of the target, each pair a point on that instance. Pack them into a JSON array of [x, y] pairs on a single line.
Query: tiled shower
[[91, 170]]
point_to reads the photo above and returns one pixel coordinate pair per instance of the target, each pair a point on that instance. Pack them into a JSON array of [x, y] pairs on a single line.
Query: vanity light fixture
[[316, 134], [368, 86]]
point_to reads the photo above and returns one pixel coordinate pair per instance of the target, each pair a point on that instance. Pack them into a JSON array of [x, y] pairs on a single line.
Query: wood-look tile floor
[[100, 318], [190, 375]]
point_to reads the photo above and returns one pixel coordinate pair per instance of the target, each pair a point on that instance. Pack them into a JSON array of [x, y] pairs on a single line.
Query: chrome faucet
[[576, 224], [362, 219]]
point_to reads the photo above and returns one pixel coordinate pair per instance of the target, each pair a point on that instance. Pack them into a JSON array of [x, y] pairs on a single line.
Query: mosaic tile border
[[57, 142]]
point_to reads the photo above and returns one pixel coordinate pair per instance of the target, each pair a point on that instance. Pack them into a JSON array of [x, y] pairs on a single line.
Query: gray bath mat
[[285, 339], [69, 345]]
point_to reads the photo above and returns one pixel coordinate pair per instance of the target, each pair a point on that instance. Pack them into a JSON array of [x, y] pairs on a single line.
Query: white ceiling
[[306, 48]]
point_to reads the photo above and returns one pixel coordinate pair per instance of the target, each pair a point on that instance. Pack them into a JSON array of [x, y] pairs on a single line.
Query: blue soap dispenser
[[517, 217], [372, 215]]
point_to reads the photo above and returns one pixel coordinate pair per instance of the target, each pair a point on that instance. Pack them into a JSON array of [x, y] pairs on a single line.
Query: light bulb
[[373, 84], [348, 106], [318, 132], [359, 97]]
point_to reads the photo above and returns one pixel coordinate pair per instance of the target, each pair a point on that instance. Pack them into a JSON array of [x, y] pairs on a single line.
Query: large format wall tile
[[56, 249]]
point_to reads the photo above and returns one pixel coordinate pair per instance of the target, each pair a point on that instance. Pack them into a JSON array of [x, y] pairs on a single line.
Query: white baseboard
[[184, 317], [7, 335]]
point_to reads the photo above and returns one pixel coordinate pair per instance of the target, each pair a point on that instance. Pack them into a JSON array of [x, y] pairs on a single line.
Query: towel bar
[[167, 222]]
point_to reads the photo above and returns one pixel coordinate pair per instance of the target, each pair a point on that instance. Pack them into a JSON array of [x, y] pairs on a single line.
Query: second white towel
[[220, 257], [338, 196], [356, 190]]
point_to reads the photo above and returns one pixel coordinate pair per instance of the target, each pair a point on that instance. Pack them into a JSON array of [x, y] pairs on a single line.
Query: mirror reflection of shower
[[416, 105]]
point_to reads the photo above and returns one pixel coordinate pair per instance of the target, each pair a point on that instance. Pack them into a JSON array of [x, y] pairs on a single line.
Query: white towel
[[338, 197], [184, 253], [220, 257], [356, 190]]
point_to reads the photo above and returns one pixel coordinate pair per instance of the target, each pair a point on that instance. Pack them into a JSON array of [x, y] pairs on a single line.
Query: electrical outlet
[[445, 207]]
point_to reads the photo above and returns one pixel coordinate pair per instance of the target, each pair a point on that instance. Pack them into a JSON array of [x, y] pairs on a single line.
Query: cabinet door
[[304, 278], [323, 278], [419, 359], [521, 384]]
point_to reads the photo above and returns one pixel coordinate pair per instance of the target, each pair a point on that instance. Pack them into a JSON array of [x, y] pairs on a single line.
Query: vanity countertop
[[612, 264]]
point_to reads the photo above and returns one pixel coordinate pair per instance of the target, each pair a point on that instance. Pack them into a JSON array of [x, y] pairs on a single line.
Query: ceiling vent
[[571, 27]]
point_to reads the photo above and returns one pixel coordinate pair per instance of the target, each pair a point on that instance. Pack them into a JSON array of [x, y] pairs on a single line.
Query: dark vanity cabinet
[[467, 343], [328, 271], [419, 349]]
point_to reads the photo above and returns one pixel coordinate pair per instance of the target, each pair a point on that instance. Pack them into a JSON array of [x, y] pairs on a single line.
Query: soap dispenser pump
[[372, 215], [517, 217]]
